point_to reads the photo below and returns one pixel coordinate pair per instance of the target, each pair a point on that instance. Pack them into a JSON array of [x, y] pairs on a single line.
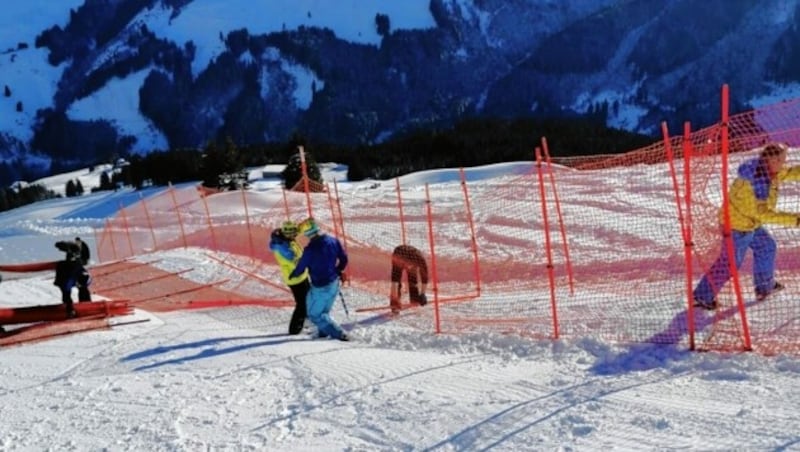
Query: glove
[[423, 300]]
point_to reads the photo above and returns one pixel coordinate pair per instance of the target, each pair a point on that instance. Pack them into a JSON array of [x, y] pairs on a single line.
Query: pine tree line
[[470, 143], [73, 188], [11, 198]]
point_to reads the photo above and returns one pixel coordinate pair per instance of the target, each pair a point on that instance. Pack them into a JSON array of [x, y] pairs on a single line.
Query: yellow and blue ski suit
[[752, 201]]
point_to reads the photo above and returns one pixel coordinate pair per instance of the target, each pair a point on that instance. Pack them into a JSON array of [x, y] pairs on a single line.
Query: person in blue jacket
[[325, 259]]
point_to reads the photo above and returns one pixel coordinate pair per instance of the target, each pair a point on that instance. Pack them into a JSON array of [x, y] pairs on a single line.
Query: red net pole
[[434, 274], [285, 204], [400, 210], [149, 220], [339, 212], [331, 206], [111, 239], [338, 219], [247, 222], [548, 246], [210, 224], [561, 226], [127, 229], [97, 236], [304, 169], [250, 274], [688, 152], [687, 254], [728, 238], [336, 207], [473, 240], [178, 213]]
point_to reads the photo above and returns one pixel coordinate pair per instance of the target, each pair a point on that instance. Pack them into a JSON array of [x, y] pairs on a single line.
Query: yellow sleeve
[[790, 174], [745, 208], [767, 215]]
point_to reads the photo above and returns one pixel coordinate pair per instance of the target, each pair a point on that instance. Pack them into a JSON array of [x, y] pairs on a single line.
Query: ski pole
[[344, 305]]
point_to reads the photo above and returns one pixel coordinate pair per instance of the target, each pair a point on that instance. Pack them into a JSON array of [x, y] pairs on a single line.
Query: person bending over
[[406, 258]]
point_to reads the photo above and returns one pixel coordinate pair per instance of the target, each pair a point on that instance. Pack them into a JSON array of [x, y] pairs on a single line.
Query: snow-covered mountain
[[86, 80]]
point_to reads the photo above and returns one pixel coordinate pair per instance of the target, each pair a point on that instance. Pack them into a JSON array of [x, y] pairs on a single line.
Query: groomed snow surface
[[228, 380]]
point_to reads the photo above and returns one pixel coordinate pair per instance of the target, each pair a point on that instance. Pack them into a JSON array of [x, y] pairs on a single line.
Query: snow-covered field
[[227, 379]]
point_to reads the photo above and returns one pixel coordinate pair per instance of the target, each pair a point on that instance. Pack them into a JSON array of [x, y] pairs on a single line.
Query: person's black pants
[[299, 291], [66, 298], [84, 294]]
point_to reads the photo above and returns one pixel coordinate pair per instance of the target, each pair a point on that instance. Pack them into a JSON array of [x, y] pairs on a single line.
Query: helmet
[[289, 228], [309, 227]]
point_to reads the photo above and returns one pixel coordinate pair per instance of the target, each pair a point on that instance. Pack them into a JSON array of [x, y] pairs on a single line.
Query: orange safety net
[[607, 247]]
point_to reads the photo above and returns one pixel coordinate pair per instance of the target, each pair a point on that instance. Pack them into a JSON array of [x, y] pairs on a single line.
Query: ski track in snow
[[229, 379], [391, 389]]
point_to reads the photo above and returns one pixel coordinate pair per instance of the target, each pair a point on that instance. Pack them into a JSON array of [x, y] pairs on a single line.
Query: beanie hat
[[311, 229]]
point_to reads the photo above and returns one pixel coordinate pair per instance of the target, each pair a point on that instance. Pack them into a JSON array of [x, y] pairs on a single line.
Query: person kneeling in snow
[[325, 259]]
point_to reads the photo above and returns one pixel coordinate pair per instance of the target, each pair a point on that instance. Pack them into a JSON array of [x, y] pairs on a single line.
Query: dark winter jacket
[[85, 253], [69, 273], [325, 259]]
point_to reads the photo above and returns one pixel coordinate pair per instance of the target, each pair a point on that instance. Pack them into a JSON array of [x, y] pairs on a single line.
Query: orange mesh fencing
[[146, 286], [607, 247], [741, 322], [48, 330]]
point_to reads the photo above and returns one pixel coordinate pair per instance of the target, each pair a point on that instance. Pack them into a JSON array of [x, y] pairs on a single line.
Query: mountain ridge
[[183, 81]]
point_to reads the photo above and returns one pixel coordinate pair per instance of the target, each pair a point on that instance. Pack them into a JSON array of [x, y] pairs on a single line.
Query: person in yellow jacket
[[752, 201], [287, 253]]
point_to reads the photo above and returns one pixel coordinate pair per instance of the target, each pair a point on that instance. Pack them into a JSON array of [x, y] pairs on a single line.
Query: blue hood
[[755, 171]]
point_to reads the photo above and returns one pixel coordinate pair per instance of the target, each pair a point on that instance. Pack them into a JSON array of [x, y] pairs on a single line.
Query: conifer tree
[[223, 167], [382, 24], [4, 205], [105, 181], [293, 173], [69, 190]]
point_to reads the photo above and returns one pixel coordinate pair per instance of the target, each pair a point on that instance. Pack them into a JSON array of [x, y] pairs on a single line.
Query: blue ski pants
[[764, 250], [319, 303]]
